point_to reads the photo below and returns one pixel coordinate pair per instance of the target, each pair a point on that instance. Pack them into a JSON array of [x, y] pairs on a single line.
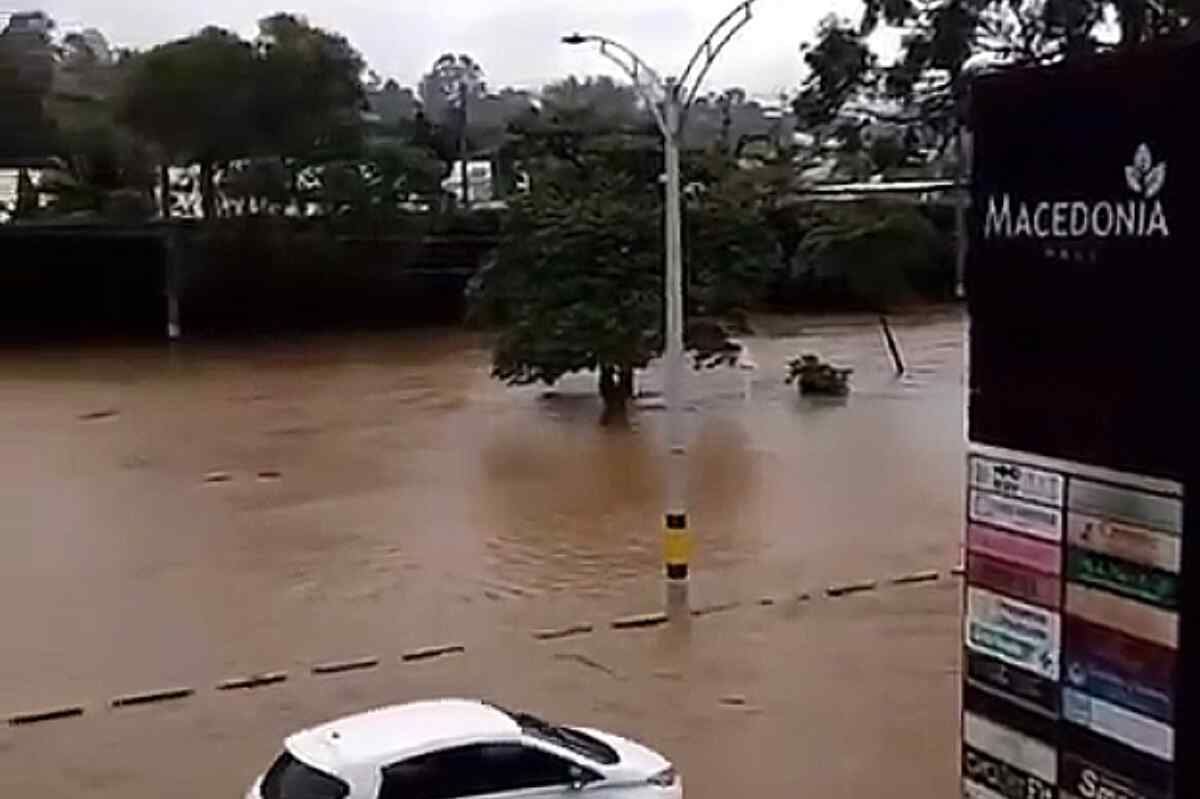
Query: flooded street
[[800, 699], [171, 516]]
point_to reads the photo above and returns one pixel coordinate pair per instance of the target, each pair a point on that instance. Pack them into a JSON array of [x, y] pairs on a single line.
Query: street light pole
[[677, 544], [669, 101], [464, 166]]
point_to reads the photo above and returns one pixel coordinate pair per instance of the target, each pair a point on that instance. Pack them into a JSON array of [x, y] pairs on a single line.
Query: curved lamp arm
[[646, 81], [710, 48], [682, 92]]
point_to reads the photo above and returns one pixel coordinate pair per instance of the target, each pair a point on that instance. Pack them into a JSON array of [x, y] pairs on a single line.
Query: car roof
[[381, 735]]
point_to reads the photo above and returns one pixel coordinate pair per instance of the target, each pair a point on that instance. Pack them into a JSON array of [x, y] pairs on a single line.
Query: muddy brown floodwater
[[173, 515]]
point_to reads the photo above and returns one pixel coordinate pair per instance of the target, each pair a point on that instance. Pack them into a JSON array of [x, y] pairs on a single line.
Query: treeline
[[293, 121], [278, 124], [293, 126]]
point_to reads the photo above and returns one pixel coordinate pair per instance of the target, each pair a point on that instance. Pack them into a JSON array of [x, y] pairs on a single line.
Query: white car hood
[[638, 763]]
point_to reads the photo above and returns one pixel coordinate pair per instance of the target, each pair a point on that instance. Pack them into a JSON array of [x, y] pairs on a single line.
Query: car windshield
[[566, 737], [288, 778]]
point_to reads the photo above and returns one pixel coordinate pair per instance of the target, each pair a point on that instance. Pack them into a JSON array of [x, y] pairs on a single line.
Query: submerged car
[[450, 748]]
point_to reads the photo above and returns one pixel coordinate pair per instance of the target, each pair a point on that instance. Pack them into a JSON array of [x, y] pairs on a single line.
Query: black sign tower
[[1081, 624]]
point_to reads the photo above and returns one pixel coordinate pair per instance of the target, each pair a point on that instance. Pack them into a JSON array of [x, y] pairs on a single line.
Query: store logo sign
[[1003, 779], [1088, 781], [1141, 216]]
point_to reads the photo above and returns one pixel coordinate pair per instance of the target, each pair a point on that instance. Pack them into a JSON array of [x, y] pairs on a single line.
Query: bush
[[813, 376]]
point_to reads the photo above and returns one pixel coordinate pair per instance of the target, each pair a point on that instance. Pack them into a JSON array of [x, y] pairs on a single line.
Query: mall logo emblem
[[1143, 175]]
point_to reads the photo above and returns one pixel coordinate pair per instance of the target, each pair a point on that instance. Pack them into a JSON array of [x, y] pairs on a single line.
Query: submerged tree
[[578, 280]]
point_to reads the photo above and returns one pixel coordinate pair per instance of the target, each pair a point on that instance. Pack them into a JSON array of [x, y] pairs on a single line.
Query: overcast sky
[[516, 41]]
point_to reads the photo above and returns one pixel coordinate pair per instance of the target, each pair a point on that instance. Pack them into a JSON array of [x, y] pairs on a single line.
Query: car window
[[477, 770], [574, 740], [513, 766], [289, 778]]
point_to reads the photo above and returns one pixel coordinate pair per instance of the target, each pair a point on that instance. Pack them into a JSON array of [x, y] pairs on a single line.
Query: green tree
[[258, 186], [839, 105], [597, 102], [448, 91], [840, 66], [106, 171], [584, 129], [451, 80], [367, 193], [308, 93], [578, 280], [940, 39], [27, 133], [192, 98], [294, 94], [882, 247]]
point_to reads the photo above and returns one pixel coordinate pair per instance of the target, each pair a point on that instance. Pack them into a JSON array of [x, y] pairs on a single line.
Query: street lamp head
[[574, 38]]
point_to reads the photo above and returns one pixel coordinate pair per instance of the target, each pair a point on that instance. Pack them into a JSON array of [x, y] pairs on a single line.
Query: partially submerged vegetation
[[815, 377]]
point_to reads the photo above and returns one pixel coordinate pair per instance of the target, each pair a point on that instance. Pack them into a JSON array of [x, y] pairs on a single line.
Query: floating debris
[[813, 376]]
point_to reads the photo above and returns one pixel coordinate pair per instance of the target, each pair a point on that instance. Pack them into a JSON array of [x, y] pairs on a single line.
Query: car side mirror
[[577, 782]]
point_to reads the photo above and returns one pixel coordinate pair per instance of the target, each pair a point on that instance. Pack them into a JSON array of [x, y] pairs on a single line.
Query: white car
[[451, 748]]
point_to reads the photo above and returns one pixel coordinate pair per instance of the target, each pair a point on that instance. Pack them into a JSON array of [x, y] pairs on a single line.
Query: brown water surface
[[171, 515]]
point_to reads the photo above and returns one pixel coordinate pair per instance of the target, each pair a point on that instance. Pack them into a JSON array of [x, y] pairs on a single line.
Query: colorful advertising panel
[[998, 743], [1121, 724], [1014, 632], [1133, 580], [1016, 515], [1017, 480], [1135, 544], [1029, 553], [1136, 619], [1014, 581], [1020, 686], [1081, 778], [1125, 670]]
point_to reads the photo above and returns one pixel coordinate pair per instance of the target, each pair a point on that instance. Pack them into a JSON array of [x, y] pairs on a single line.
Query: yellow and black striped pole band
[[678, 546]]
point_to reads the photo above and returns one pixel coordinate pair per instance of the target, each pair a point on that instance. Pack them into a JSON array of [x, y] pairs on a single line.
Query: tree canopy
[[294, 93], [942, 39], [578, 281], [308, 90], [450, 85], [191, 98], [26, 75]]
